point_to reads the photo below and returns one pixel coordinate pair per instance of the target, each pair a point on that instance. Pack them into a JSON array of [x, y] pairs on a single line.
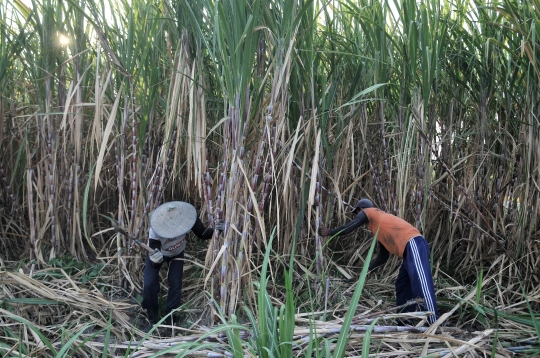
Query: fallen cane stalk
[[471, 343]]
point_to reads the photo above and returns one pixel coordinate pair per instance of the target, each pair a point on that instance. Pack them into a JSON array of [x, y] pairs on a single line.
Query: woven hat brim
[[173, 219]]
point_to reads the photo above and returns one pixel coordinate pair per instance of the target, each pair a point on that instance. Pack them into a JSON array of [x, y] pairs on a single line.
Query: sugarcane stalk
[[223, 190], [153, 192], [268, 143], [120, 162], [151, 177], [50, 180], [498, 186], [134, 161], [243, 210], [166, 171], [388, 184], [133, 171], [231, 191], [7, 186], [35, 250], [420, 186], [69, 203], [319, 261], [207, 191], [374, 167], [219, 213], [243, 222], [254, 183]]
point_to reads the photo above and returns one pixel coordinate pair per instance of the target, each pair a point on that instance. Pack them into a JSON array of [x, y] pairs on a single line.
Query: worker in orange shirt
[[397, 237]]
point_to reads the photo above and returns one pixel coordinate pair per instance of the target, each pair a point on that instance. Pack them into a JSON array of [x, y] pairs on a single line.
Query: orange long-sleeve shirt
[[393, 232]]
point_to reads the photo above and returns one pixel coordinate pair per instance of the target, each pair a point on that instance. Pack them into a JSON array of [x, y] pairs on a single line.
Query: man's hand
[[156, 257], [219, 225], [324, 231]]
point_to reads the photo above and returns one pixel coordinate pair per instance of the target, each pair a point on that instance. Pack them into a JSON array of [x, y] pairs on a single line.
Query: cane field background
[[275, 116]]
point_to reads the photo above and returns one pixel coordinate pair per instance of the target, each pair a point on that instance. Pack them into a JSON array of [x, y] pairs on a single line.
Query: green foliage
[[93, 273], [107, 336], [42, 337], [68, 263], [344, 333], [273, 327], [267, 338], [235, 342]]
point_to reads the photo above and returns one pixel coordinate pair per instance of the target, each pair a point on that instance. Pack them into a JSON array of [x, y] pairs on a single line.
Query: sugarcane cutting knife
[[116, 226]]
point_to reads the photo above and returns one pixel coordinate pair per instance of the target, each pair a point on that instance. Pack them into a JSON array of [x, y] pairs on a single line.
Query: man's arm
[[358, 221], [202, 231], [381, 258]]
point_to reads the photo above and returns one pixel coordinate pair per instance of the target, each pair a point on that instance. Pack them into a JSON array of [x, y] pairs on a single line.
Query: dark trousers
[[151, 284], [414, 279]]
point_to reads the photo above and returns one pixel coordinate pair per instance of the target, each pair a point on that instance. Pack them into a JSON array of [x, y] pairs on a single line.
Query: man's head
[[362, 204]]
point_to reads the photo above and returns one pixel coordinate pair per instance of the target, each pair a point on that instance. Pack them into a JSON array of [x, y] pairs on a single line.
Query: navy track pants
[[414, 279], [151, 283]]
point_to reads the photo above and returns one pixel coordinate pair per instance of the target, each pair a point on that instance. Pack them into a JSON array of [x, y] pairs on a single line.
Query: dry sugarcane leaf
[[214, 264], [471, 343], [314, 169], [342, 270], [255, 204], [292, 152], [106, 134]]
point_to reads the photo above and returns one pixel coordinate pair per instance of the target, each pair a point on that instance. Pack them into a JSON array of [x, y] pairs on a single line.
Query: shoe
[[152, 319], [148, 327], [168, 321], [404, 322]]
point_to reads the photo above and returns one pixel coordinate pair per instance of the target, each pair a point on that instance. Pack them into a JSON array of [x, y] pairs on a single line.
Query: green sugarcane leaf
[[341, 343], [33, 301]]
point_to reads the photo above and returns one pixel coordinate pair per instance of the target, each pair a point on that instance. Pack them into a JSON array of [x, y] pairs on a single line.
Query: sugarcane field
[[278, 178]]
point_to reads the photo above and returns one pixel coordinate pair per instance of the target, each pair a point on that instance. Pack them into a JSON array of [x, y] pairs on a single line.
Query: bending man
[[169, 224], [397, 237]]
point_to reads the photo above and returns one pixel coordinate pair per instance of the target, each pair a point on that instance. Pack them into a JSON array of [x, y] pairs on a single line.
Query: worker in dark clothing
[[397, 237], [169, 224]]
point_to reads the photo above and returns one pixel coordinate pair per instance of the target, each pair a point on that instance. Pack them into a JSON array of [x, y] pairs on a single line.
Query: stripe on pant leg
[[421, 272], [423, 281]]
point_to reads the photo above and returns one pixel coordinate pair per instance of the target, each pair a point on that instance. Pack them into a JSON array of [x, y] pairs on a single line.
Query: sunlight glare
[[63, 40]]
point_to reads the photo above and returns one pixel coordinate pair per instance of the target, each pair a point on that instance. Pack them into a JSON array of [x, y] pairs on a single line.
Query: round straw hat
[[173, 219]]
